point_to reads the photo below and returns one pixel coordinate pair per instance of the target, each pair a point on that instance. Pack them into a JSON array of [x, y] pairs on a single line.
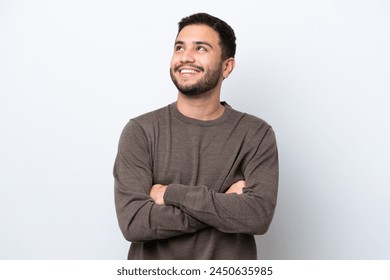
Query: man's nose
[[187, 57]]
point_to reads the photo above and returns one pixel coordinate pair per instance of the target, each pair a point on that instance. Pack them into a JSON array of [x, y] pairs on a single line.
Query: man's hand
[[157, 193], [237, 187]]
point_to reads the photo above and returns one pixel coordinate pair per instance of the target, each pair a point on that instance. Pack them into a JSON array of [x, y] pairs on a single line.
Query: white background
[[73, 72]]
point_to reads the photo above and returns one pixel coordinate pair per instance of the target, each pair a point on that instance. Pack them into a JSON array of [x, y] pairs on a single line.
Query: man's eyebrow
[[195, 43], [203, 43], [179, 43]]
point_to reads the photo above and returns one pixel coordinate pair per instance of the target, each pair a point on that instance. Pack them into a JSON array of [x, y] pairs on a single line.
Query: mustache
[[200, 68]]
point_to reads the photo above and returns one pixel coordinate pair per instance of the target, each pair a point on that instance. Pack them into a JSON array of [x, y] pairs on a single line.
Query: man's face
[[196, 64]]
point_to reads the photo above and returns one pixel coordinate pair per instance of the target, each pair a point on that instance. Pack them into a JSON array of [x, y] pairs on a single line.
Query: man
[[196, 179]]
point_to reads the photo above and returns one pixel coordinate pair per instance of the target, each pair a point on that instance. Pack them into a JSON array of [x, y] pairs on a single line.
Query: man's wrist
[[175, 194]]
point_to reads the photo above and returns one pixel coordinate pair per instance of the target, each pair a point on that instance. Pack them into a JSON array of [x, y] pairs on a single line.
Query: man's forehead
[[198, 33]]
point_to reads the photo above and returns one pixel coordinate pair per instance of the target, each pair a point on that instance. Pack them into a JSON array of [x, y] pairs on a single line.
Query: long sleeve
[[250, 212], [140, 219]]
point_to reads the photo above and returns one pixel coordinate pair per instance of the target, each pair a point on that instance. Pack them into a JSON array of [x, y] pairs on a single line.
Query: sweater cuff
[[175, 194]]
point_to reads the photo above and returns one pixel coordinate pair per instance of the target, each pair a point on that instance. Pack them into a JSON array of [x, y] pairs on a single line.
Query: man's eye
[[179, 48], [200, 48]]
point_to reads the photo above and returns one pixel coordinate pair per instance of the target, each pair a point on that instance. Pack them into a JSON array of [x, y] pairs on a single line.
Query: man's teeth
[[188, 71]]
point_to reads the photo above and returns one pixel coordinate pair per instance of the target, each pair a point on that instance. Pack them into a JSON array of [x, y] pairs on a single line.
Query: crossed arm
[[157, 191], [148, 211]]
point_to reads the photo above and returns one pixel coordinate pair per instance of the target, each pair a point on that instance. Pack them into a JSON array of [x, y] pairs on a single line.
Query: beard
[[208, 82]]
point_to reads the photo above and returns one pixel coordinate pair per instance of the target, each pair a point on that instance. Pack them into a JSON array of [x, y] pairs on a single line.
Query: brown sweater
[[199, 161]]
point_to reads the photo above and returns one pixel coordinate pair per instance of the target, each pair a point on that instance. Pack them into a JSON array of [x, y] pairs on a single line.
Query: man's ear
[[229, 65]]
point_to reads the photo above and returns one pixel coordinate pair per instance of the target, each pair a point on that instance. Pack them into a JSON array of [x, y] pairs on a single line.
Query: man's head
[[203, 54], [227, 38]]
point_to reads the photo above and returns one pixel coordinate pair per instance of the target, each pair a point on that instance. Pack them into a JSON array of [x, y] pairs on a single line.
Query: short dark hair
[[226, 34]]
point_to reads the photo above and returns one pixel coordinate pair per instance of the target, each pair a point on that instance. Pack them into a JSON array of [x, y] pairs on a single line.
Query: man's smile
[[188, 70]]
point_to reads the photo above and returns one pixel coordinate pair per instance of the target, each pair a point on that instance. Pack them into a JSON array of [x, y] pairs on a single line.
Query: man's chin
[[191, 93], [189, 90]]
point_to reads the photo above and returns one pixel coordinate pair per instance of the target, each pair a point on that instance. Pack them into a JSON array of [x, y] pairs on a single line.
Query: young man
[[196, 179]]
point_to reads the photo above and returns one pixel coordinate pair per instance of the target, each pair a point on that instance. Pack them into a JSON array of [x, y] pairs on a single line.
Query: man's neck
[[204, 108]]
